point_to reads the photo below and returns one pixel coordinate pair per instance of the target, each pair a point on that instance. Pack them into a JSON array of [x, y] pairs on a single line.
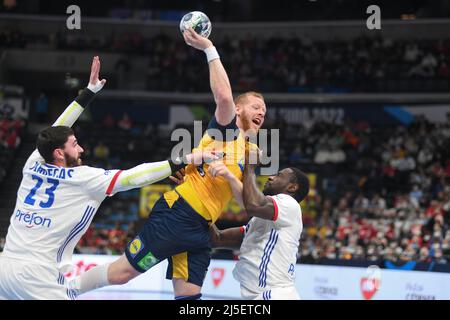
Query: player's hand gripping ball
[[198, 21]]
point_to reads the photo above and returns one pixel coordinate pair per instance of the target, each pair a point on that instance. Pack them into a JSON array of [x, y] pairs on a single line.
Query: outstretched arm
[[148, 173], [220, 84], [74, 110]]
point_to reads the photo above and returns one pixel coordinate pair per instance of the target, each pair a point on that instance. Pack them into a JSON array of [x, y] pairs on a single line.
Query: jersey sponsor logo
[[50, 171], [32, 219], [291, 270], [217, 275], [135, 247], [148, 261]]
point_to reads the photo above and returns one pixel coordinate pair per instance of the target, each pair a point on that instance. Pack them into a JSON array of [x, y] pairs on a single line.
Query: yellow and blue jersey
[[178, 226], [206, 194]]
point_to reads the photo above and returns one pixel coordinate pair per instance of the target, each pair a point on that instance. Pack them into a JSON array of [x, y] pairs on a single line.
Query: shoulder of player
[[84, 169], [283, 197], [286, 201]]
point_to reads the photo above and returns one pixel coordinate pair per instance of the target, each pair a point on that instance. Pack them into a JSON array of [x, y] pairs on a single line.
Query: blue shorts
[[175, 232]]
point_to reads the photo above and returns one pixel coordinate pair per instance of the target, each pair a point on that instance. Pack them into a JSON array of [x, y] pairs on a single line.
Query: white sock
[[95, 278]]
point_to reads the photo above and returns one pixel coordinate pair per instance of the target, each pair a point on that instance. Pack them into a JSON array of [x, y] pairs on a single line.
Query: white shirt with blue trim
[[268, 253], [54, 208]]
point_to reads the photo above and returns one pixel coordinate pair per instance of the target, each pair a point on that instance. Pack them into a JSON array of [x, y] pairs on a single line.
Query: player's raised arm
[[219, 169], [74, 110], [220, 84]]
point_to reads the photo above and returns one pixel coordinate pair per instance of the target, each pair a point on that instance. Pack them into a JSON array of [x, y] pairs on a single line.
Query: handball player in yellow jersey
[[178, 226]]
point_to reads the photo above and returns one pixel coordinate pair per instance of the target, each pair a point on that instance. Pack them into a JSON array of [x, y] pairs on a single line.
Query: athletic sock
[[95, 278]]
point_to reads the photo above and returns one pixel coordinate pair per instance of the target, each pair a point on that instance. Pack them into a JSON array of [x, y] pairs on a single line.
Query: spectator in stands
[[125, 123], [387, 220], [324, 66], [377, 205], [101, 151], [41, 108], [360, 204], [109, 122], [424, 255], [12, 139]]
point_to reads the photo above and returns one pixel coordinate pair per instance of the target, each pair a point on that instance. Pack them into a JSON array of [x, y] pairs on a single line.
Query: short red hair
[[243, 97]]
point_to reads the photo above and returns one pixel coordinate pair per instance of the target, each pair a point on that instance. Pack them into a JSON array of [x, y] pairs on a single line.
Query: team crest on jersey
[[136, 246]]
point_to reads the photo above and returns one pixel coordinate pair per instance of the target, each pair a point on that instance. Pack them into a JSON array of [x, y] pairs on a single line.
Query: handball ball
[[198, 21]]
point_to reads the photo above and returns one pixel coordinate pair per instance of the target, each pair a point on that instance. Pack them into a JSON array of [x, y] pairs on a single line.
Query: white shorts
[[280, 293], [24, 280]]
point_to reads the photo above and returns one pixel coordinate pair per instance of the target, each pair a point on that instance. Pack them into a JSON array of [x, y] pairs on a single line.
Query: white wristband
[[211, 53], [95, 87]]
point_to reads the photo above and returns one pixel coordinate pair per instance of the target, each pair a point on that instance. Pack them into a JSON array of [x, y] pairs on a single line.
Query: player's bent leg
[[121, 271], [117, 272], [187, 271], [92, 279], [184, 290]]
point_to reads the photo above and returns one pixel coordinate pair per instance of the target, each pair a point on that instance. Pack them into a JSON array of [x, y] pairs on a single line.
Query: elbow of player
[[214, 237], [250, 207]]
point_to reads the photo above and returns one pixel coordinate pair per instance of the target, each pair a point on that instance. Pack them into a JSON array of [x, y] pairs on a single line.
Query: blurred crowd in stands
[[381, 193], [365, 64], [10, 133], [385, 192]]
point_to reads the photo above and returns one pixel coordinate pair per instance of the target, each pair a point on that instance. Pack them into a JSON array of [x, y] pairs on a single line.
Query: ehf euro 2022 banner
[[308, 114], [300, 113]]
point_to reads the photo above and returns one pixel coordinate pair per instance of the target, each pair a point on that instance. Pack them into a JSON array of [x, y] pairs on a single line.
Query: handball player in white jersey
[[269, 242], [56, 202]]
